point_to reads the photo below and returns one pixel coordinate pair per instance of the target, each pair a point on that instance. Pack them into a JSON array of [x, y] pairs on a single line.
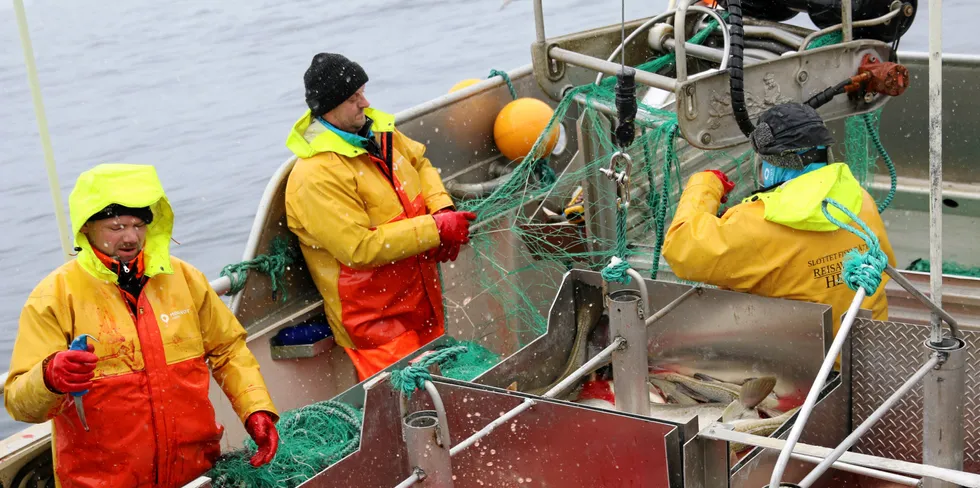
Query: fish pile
[[749, 405]]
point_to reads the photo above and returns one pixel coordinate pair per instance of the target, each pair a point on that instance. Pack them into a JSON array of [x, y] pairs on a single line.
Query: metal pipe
[[717, 432], [773, 33], [539, 21], [936, 163], [486, 430], [873, 473], [818, 384], [904, 282], [221, 285], [671, 306], [591, 365], [869, 422], [680, 43], [846, 12], [425, 451], [593, 63], [760, 54], [698, 51], [793, 29], [410, 481], [860, 23], [659, 18], [630, 367], [440, 411], [641, 285], [42, 128], [586, 368], [639, 30], [475, 190], [943, 391]]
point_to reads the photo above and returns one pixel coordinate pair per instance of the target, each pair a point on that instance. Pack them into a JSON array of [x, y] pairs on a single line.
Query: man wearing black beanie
[[373, 219]]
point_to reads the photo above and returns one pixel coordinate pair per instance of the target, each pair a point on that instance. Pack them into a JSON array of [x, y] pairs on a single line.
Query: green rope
[[545, 173], [873, 133], [661, 218], [281, 256], [615, 271], [506, 77], [949, 267], [458, 360], [311, 438], [860, 269]]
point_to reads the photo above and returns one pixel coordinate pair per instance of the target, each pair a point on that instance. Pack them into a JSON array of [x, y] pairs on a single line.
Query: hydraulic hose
[[735, 73]]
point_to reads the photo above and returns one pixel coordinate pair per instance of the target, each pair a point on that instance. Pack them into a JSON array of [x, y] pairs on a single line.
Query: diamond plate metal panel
[[884, 355]]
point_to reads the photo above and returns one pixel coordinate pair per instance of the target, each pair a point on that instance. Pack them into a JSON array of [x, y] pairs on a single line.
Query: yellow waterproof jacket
[[148, 410], [777, 243], [364, 227]]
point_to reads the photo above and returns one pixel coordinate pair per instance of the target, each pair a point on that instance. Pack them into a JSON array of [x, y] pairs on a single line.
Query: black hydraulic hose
[[735, 74], [821, 99]]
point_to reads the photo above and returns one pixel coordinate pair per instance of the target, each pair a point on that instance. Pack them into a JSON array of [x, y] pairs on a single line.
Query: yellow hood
[[130, 185], [798, 202], [307, 139]]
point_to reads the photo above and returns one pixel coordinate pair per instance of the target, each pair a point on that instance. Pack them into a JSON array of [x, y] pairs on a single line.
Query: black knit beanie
[[331, 79], [116, 210]]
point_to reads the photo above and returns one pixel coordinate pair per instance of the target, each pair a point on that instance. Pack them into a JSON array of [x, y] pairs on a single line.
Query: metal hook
[[622, 178]]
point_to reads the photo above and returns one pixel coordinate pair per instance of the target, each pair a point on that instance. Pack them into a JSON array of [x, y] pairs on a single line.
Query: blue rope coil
[[861, 270]]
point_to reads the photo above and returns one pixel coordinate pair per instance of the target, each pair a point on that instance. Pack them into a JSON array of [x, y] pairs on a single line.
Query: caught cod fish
[[760, 427], [740, 408], [673, 393], [708, 389]]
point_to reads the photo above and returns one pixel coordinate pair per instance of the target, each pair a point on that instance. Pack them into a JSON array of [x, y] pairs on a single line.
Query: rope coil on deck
[[311, 438], [862, 270]]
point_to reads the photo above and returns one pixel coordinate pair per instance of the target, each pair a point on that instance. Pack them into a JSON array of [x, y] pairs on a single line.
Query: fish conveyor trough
[[554, 442]]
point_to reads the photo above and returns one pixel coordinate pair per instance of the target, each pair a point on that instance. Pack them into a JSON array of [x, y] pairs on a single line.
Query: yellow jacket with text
[[777, 243]]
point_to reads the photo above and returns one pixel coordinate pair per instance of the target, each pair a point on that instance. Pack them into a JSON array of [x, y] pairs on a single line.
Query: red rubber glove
[[262, 428], [70, 371], [454, 227], [444, 252], [725, 182]]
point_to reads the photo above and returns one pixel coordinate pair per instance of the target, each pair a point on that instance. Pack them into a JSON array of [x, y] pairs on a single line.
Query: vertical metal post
[[942, 418], [42, 127], [846, 20], [426, 451], [942, 422], [539, 21], [936, 163], [630, 369]]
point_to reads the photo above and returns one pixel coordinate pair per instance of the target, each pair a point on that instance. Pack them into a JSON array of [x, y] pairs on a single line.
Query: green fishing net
[[949, 267], [522, 243]]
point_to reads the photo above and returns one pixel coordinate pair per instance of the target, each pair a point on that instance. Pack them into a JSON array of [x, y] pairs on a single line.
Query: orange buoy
[[464, 84], [518, 126]]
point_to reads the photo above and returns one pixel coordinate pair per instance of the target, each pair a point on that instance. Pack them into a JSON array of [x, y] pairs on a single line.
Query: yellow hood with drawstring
[[130, 185]]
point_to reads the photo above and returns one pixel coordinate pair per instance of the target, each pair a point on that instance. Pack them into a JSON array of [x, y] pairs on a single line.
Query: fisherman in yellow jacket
[[144, 418], [373, 219], [777, 242]]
